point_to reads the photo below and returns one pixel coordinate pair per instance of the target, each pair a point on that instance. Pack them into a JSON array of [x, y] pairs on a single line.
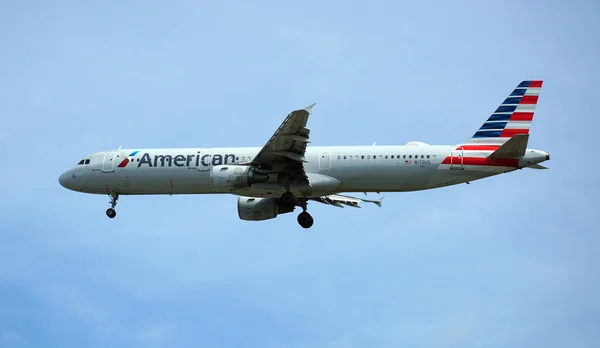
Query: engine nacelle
[[234, 177], [257, 209]]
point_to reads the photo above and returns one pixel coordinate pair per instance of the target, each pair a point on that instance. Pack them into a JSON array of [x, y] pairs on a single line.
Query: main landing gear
[[304, 218], [111, 212]]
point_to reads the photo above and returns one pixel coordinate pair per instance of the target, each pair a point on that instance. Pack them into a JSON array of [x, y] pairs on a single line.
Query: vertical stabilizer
[[512, 117]]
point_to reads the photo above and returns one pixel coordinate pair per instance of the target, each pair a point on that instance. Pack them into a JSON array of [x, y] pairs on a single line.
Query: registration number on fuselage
[[422, 162]]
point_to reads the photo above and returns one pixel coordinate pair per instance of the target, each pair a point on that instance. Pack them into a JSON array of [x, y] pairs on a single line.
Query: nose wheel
[[111, 212]]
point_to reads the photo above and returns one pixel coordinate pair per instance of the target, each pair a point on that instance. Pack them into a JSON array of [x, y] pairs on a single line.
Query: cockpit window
[[87, 161], [81, 162]]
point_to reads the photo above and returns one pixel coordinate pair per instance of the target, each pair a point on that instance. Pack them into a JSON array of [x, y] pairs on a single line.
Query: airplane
[[287, 173]]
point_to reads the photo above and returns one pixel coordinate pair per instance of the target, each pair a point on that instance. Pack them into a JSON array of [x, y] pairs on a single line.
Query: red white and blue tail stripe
[[512, 117]]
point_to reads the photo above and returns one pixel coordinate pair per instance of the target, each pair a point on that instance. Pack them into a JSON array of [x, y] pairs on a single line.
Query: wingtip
[[537, 166], [378, 202], [309, 108]]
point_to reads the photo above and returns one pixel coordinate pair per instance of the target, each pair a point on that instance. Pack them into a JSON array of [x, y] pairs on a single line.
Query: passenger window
[[422, 156], [386, 156], [427, 156], [339, 157], [344, 157], [404, 156], [87, 161], [409, 156], [368, 156], [362, 157]]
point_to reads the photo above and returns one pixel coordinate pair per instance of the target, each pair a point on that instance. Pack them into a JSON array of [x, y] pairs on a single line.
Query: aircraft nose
[[62, 179], [66, 179]]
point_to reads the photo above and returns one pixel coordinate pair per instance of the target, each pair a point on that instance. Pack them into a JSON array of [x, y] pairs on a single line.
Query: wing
[[284, 152], [338, 200]]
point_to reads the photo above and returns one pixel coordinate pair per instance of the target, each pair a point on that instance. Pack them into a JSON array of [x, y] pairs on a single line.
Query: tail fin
[[512, 117]]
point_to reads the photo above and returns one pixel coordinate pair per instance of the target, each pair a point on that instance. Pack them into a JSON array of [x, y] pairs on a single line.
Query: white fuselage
[[330, 169]]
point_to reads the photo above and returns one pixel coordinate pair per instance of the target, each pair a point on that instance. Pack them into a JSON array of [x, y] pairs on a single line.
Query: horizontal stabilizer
[[536, 166], [514, 148]]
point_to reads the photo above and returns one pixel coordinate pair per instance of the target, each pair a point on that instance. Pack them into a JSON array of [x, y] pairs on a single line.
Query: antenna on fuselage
[[374, 143], [119, 147]]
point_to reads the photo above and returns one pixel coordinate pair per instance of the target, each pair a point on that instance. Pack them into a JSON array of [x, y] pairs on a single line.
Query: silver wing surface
[[284, 152]]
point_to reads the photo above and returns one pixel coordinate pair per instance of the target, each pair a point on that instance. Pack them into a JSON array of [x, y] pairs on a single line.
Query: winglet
[[309, 108], [377, 201]]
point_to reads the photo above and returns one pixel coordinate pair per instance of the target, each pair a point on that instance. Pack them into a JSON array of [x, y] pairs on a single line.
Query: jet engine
[[234, 177], [257, 209]]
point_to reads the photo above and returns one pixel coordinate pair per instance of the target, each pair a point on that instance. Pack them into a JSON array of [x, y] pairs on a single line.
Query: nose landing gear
[[111, 212]]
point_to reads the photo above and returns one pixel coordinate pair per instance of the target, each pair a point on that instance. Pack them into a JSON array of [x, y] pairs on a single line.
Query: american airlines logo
[[128, 159], [179, 160]]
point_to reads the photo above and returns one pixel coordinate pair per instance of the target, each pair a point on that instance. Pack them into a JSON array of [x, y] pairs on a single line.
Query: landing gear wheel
[[305, 220], [111, 213], [288, 198]]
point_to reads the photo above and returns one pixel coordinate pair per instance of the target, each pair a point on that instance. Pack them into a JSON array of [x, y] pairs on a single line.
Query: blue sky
[[507, 261]]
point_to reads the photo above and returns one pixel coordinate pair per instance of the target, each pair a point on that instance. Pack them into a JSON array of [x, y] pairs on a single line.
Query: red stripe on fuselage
[[521, 116], [509, 133], [483, 161], [479, 147]]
